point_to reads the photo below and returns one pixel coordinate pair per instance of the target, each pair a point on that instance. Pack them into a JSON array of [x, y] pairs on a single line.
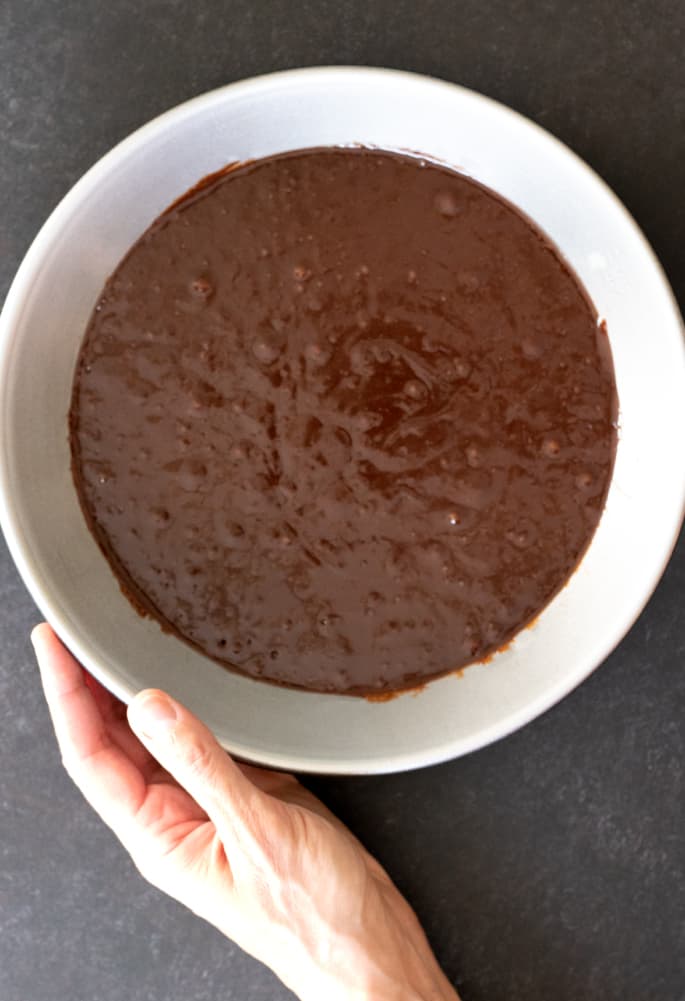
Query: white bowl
[[45, 316]]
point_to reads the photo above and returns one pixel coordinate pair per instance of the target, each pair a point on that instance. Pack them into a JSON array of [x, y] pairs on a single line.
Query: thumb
[[191, 754]]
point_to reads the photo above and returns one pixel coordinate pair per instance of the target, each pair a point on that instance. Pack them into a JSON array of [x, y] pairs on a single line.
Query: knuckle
[[148, 870], [151, 866], [69, 765], [196, 754], [266, 842]]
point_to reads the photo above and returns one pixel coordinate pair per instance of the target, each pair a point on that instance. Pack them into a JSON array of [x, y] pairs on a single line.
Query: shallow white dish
[[41, 329]]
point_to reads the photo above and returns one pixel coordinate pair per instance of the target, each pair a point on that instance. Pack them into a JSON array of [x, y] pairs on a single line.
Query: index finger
[[107, 777]]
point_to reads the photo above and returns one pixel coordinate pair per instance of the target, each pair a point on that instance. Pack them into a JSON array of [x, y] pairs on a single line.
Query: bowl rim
[[10, 516]]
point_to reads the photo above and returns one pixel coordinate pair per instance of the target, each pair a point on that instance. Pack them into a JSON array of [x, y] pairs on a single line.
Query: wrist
[[359, 975]]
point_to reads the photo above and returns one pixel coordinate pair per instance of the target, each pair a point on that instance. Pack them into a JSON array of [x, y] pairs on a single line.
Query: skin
[[249, 850]]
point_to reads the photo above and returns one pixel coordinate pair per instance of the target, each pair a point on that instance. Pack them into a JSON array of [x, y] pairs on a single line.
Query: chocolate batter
[[344, 420]]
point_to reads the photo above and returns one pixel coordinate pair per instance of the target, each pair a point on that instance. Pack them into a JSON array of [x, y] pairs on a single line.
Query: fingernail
[[154, 713]]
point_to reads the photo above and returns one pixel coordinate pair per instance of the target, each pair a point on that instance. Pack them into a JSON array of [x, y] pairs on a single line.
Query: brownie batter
[[343, 419]]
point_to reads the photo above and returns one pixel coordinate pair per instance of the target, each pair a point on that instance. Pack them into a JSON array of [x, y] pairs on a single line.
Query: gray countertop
[[548, 867]]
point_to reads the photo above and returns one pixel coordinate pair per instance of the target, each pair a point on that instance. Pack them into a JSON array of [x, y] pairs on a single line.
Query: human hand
[[251, 851]]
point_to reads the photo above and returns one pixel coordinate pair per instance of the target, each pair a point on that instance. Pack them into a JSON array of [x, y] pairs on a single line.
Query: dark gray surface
[[546, 867]]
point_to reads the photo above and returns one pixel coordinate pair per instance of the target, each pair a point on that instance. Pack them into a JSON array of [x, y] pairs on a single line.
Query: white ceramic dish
[[45, 315]]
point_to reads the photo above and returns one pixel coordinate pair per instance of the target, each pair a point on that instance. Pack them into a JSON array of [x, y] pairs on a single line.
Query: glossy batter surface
[[343, 421]]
